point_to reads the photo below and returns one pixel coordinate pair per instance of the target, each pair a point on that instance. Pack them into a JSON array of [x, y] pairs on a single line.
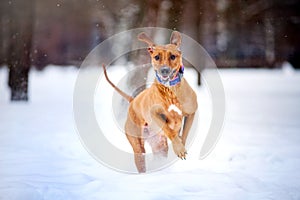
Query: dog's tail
[[123, 94]]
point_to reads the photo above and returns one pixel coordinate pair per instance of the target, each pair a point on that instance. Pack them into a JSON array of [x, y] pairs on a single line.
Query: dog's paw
[[179, 149]]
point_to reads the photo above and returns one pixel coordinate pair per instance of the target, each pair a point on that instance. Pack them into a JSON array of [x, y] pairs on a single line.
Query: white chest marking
[[175, 108]]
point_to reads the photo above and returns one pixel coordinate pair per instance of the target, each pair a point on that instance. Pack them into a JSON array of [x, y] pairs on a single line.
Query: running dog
[[162, 110]]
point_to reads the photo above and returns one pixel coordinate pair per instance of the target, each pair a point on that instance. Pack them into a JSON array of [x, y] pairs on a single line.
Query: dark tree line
[[236, 33]]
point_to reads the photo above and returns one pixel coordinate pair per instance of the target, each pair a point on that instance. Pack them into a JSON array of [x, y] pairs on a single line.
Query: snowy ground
[[257, 157]]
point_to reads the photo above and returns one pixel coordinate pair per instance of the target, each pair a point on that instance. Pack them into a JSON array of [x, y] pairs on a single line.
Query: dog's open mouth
[[166, 77]]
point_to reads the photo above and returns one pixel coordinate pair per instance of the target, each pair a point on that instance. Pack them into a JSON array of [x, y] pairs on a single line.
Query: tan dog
[[157, 113]]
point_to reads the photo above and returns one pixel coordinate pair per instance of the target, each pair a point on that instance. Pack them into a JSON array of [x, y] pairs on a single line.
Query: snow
[[257, 157]]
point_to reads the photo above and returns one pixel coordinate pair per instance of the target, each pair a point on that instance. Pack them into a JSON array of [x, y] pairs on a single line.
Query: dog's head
[[166, 59]]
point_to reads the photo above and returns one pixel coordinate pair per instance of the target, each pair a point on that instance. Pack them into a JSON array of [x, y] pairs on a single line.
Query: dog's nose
[[165, 71]]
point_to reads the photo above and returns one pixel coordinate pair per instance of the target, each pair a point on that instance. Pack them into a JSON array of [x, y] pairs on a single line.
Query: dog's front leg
[[165, 122], [188, 121]]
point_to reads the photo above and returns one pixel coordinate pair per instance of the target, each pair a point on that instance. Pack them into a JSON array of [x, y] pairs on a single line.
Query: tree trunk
[[141, 56], [175, 14], [20, 40], [191, 24]]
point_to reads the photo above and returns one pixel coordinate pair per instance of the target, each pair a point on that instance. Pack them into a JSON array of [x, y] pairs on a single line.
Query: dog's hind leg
[[139, 152], [137, 143], [159, 145]]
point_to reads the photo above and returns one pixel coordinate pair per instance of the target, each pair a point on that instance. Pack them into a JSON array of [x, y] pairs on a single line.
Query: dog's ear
[[145, 38], [175, 38]]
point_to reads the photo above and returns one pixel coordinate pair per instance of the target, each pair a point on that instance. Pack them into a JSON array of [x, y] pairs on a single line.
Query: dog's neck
[[169, 94], [176, 80]]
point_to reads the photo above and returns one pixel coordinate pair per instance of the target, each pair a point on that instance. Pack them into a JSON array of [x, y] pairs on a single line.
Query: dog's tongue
[[165, 78]]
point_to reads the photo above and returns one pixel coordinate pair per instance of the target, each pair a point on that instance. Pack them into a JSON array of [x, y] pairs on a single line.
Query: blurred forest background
[[236, 33]]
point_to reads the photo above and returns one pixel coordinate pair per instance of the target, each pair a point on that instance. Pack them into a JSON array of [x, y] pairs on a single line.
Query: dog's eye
[[172, 57], [156, 57]]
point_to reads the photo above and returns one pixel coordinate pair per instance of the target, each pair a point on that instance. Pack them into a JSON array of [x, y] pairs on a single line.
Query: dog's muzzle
[[165, 72], [169, 77]]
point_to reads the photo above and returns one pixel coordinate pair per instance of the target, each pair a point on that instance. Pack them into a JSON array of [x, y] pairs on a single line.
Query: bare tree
[[20, 40]]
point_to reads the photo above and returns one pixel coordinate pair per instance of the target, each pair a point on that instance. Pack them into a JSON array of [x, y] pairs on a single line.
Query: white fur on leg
[[175, 108]]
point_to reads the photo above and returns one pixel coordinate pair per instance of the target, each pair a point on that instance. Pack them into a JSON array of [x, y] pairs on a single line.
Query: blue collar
[[174, 81]]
